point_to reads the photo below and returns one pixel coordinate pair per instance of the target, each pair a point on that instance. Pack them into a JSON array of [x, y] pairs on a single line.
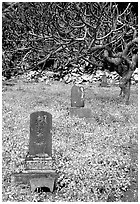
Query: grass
[[96, 159]]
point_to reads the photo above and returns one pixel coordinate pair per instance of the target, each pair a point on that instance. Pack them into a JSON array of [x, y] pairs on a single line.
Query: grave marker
[[78, 102], [104, 81], [38, 162], [40, 133], [77, 96]]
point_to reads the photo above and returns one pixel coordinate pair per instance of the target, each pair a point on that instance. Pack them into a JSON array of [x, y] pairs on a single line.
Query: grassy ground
[[96, 159]]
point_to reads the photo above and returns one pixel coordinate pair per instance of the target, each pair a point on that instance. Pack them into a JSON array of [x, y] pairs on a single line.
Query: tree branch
[[112, 31], [124, 10]]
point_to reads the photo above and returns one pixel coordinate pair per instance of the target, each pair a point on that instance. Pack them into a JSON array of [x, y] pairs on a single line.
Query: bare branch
[[93, 63], [84, 37], [111, 33], [10, 6], [125, 10], [124, 53]]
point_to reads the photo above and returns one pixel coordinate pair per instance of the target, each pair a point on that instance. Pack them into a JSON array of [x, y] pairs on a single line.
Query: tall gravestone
[[78, 103], [39, 170], [40, 133]]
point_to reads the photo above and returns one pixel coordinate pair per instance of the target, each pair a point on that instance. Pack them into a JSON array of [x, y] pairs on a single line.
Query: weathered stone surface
[[40, 144], [77, 96], [40, 133], [42, 182], [36, 178], [104, 81], [39, 171], [80, 112], [38, 163]]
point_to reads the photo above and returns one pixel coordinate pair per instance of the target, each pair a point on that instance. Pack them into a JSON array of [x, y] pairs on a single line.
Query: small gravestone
[[78, 102], [77, 96], [104, 81], [39, 171]]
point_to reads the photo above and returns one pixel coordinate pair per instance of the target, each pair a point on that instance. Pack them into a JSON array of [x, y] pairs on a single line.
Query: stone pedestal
[[77, 96], [36, 178], [80, 112]]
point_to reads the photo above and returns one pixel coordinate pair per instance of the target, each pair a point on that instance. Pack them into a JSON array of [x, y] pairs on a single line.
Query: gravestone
[[40, 133], [39, 171], [104, 81], [77, 96], [78, 103]]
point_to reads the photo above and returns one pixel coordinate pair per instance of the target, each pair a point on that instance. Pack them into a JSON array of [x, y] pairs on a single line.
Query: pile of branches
[[70, 32]]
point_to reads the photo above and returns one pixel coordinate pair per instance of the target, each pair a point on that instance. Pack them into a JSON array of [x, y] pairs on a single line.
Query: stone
[[80, 112], [38, 163], [39, 170], [44, 178], [37, 182], [40, 133], [87, 77], [104, 81], [77, 96], [77, 103]]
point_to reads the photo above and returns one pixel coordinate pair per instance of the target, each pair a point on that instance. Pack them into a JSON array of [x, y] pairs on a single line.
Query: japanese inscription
[[40, 164], [40, 133]]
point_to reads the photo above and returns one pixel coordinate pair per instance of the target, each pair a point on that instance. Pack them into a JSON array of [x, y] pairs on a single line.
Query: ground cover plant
[[96, 159]]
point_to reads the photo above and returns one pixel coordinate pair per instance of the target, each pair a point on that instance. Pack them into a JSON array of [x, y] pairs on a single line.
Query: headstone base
[[38, 163], [102, 84], [36, 178], [80, 112]]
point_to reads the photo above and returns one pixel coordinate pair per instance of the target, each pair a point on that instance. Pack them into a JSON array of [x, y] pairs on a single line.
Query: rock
[[99, 73], [47, 82], [67, 78], [79, 80], [135, 77], [87, 77]]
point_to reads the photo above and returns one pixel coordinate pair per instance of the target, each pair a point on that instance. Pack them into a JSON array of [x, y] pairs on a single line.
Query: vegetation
[[70, 32], [83, 33], [94, 158]]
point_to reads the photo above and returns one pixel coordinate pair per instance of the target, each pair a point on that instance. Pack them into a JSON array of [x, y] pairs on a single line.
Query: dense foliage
[[67, 32]]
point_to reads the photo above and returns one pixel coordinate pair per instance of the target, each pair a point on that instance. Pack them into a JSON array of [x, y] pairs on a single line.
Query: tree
[[101, 34]]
